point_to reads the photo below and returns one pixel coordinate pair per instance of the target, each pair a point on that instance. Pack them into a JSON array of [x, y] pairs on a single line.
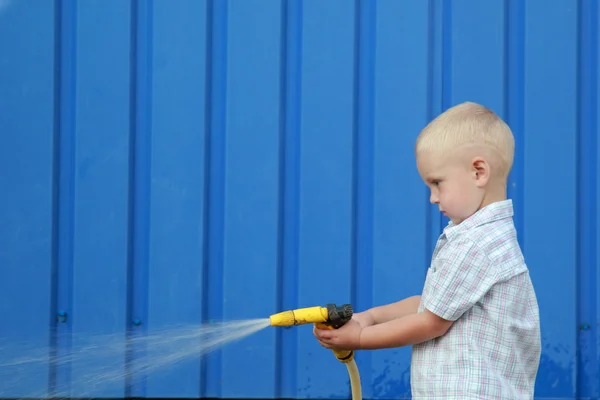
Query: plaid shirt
[[478, 278]]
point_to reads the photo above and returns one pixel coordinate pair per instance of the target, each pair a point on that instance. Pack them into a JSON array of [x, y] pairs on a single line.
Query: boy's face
[[453, 185]]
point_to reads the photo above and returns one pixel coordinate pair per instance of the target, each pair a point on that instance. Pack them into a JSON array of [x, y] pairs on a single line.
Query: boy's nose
[[433, 198]]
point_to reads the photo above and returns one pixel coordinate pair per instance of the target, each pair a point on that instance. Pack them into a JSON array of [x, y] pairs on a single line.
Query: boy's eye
[[435, 182]]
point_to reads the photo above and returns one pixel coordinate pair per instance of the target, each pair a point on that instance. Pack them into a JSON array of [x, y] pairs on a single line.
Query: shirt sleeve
[[461, 276]]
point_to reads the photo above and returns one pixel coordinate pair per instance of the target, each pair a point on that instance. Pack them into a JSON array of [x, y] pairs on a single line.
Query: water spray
[[328, 317]]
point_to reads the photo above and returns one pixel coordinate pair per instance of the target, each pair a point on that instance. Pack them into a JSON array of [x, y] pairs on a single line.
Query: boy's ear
[[481, 171]]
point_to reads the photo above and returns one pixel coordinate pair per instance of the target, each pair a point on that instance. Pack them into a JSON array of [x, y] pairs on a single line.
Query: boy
[[475, 329]]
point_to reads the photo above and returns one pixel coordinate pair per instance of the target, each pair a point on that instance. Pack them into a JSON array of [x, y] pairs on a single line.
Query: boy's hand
[[365, 319], [345, 338]]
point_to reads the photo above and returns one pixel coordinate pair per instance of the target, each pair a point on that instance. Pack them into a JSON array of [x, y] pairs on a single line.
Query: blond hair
[[470, 124]]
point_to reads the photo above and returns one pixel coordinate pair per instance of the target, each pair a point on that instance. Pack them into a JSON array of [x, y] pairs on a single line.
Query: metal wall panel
[[194, 160]]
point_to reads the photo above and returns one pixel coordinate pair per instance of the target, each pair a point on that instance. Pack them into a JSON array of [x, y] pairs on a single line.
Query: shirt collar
[[490, 213]]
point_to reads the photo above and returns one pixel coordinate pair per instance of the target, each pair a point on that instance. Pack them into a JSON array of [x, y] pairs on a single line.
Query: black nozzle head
[[339, 315]]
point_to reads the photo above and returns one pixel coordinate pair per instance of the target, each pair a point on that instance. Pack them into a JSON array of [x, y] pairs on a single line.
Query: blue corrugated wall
[[194, 160]]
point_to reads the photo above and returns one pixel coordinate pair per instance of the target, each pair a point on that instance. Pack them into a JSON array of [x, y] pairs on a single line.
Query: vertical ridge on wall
[[139, 191], [402, 101], [588, 372], [596, 111], [326, 145], [476, 61], [446, 40], [362, 164], [437, 82], [291, 78], [63, 185], [27, 91], [251, 191], [550, 197], [176, 286], [280, 275], [217, 136], [55, 242], [101, 160], [131, 238], [596, 166], [514, 26], [206, 177]]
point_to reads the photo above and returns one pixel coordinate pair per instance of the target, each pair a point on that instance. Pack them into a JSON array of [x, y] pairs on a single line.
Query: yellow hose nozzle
[[300, 316], [331, 315]]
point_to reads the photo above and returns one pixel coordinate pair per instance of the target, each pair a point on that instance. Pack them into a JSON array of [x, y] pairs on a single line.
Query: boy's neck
[[493, 195]]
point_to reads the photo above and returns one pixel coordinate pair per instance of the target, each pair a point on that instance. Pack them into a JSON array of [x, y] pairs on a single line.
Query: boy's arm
[[405, 331], [388, 312]]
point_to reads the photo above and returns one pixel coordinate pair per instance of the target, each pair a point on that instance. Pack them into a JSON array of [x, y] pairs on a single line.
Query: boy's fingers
[[326, 335], [322, 333]]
